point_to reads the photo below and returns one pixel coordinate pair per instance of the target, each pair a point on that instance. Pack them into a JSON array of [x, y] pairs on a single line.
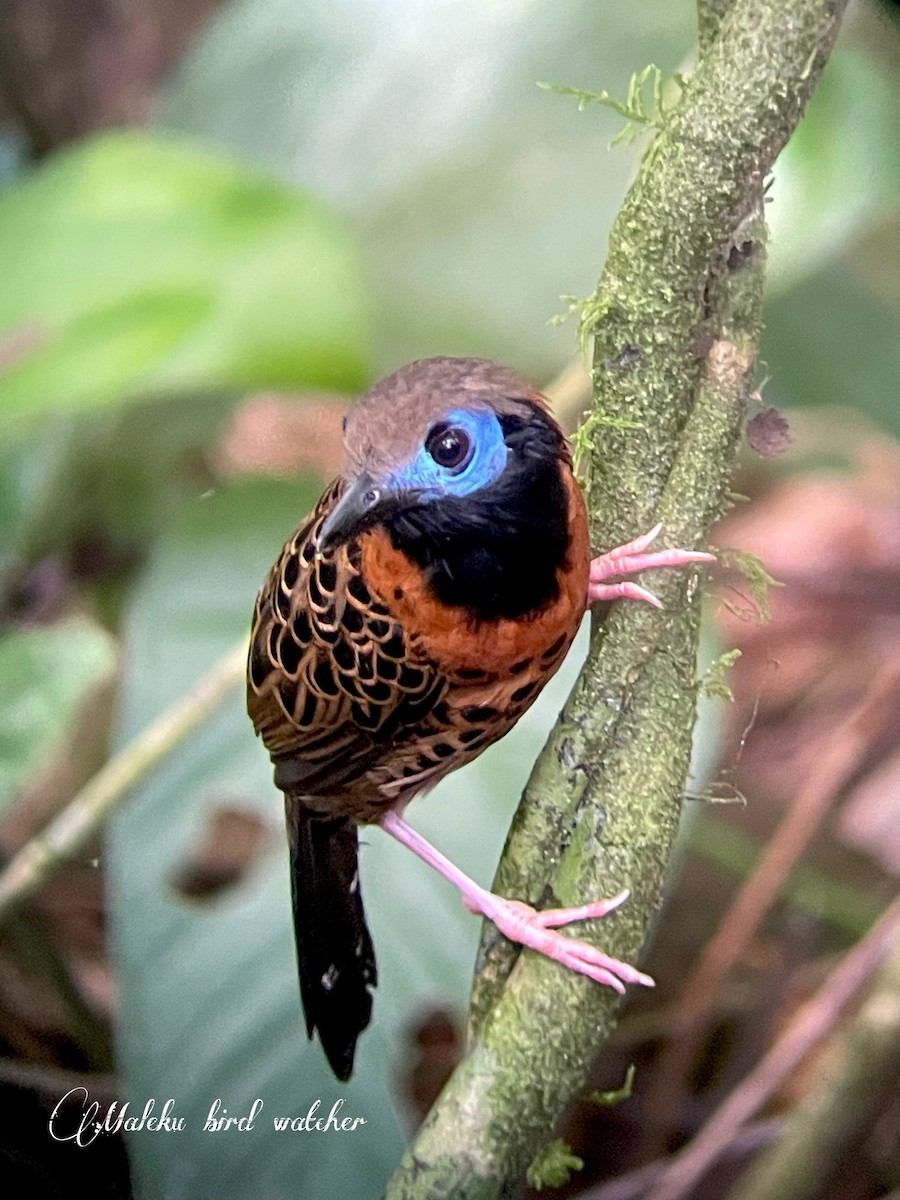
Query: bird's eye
[[449, 446]]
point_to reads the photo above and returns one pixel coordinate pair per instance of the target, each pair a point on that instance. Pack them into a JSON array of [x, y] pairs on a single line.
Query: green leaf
[[477, 198], [26, 464], [839, 171], [138, 264], [45, 675]]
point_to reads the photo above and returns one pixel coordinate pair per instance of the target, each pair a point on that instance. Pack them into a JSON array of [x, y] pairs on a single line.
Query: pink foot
[[628, 560], [523, 924]]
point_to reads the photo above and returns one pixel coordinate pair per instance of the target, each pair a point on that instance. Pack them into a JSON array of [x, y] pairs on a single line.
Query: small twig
[[79, 821], [634, 1185], [740, 923], [813, 1021], [842, 1105], [570, 393]]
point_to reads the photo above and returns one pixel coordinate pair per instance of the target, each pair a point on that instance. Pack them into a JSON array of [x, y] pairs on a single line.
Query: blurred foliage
[[831, 326], [139, 265], [451, 164], [389, 183], [45, 676], [424, 124], [142, 266], [838, 175]]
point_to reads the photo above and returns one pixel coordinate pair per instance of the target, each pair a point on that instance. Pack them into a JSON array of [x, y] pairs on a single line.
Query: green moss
[[601, 809], [553, 1166], [617, 1095], [755, 575], [643, 109], [713, 682]]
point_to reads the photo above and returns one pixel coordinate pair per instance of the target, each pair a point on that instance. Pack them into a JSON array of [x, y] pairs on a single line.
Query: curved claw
[[550, 918], [621, 591], [521, 923], [629, 560]]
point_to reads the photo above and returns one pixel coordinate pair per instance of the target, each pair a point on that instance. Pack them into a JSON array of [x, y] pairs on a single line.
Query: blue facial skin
[[488, 458]]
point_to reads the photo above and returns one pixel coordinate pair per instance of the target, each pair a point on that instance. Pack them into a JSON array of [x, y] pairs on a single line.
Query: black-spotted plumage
[[330, 684], [332, 678], [401, 632]]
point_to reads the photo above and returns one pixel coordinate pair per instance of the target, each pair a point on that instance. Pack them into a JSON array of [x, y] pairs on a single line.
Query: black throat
[[497, 551]]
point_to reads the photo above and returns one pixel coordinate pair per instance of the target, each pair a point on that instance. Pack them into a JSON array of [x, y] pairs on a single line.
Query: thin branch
[[847, 748], [812, 1022], [81, 819], [635, 1185], [843, 1104]]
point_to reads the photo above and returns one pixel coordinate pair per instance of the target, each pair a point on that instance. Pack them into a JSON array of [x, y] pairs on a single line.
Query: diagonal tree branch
[[675, 332], [666, 294]]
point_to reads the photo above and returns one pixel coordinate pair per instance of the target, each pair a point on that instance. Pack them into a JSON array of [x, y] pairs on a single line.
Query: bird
[[408, 623]]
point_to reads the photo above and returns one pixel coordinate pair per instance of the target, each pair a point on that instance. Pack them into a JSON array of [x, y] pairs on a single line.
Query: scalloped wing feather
[[331, 678]]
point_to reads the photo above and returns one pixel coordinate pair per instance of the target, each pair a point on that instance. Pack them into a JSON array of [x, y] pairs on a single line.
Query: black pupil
[[448, 445]]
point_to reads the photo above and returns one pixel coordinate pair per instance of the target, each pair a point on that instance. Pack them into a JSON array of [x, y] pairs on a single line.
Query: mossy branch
[[675, 319]]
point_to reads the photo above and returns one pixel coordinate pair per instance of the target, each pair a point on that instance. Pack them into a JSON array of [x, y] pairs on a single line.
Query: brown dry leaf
[[232, 842]]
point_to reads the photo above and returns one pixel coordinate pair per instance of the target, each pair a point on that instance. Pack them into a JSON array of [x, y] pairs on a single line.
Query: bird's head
[[442, 443]]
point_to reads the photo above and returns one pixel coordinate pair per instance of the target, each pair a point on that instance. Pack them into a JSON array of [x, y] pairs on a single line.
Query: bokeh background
[[218, 222]]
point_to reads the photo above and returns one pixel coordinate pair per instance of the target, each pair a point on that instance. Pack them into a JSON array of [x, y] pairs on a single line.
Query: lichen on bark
[[675, 322]]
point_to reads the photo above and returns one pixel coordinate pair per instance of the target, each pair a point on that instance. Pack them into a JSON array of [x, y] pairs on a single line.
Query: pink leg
[[520, 922], [628, 560]]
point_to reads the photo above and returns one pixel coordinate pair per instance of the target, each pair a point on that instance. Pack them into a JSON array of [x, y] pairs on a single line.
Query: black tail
[[335, 956]]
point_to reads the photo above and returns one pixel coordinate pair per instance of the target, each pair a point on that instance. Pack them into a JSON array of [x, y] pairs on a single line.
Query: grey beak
[[352, 514]]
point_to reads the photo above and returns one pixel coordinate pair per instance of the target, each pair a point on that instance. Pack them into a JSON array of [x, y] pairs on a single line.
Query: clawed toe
[[588, 960], [631, 559], [550, 918], [521, 923]]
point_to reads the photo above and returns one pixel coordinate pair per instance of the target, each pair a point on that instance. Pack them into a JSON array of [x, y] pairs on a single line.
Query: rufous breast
[[449, 636]]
